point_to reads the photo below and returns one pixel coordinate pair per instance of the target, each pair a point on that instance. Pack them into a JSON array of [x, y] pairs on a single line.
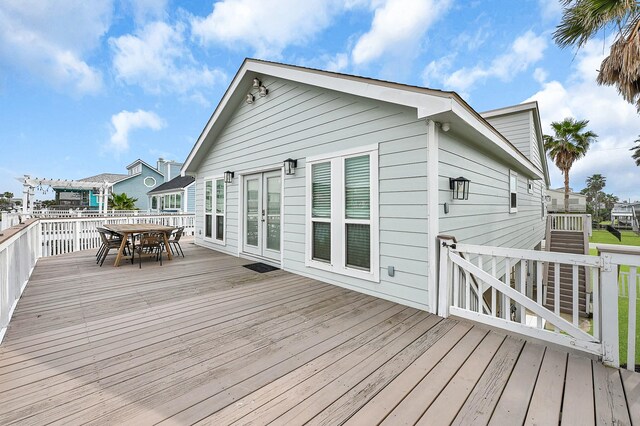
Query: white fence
[[571, 222], [623, 283], [18, 255], [504, 288], [61, 236], [9, 219]]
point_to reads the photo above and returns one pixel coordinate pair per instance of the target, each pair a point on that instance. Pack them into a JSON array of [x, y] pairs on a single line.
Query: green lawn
[[629, 238], [623, 303]]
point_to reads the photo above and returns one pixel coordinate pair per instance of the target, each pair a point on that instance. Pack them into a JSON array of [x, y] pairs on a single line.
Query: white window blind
[[321, 211]]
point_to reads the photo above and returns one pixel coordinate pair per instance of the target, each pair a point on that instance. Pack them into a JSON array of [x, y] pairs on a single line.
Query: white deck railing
[[19, 252], [571, 222], [62, 235], [512, 283]]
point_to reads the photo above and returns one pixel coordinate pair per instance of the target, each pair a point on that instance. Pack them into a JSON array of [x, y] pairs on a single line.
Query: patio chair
[[174, 241], [150, 244], [109, 241]]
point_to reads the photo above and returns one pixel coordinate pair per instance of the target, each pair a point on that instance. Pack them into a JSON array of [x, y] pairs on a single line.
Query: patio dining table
[[127, 230]]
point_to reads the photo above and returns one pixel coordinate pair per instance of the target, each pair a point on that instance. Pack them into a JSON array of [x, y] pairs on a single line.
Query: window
[[214, 221], [154, 203], [513, 192], [149, 182], [135, 169], [342, 213]]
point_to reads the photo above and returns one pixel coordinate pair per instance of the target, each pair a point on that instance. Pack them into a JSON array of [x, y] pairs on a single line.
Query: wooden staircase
[[566, 241]]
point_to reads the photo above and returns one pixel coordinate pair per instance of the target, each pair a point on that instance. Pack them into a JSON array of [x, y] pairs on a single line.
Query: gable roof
[[430, 104], [533, 107], [145, 163], [178, 182]]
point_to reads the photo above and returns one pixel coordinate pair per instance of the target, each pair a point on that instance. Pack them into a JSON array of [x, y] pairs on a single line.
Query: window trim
[[152, 178], [530, 186], [214, 214], [513, 190], [338, 220]]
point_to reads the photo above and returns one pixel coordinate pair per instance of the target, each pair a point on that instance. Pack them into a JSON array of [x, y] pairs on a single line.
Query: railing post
[[76, 235], [609, 318], [443, 277]]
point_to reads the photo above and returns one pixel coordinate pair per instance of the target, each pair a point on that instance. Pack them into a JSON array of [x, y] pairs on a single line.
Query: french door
[[262, 214]]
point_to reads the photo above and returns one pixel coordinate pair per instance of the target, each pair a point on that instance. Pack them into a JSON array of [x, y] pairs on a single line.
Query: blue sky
[[88, 87]]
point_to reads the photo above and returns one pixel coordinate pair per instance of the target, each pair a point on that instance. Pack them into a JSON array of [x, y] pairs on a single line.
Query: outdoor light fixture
[[263, 91], [256, 83], [250, 98], [446, 127], [228, 176], [290, 166], [547, 198], [459, 188]]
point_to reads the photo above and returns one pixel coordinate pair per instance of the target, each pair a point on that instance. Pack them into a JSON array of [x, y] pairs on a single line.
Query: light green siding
[[300, 121]]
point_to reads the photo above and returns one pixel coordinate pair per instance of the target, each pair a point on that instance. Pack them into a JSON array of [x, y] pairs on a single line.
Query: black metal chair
[[109, 241], [150, 244], [174, 241]]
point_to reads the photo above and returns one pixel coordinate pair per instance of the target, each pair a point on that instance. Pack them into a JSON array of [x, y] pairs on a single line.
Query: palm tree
[[583, 19], [570, 143], [636, 151], [595, 184], [122, 202]]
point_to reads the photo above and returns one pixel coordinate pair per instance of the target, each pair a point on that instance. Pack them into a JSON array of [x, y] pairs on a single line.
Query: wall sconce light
[[446, 127], [256, 83], [228, 176], [250, 98], [547, 198], [263, 91], [290, 166], [459, 188]]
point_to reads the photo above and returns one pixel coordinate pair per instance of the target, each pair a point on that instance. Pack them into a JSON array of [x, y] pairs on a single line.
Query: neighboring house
[[577, 201], [177, 195], [370, 190], [140, 178], [85, 198], [626, 215]]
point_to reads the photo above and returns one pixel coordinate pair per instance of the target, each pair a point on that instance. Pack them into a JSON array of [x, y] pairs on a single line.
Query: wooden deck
[[203, 340]]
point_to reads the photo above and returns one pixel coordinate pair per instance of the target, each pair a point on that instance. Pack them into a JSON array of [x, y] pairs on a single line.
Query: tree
[[7, 195], [570, 143], [583, 19], [122, 202], [636, 151], [593, 191]]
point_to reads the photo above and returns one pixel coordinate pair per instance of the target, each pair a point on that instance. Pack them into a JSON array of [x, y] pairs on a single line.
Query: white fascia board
[[481, 127], [510, 109], [426, 103]]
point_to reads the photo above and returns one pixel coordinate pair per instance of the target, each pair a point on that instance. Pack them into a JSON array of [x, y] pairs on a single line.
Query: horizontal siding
[[299, 121], [484, 218], [516, 128]]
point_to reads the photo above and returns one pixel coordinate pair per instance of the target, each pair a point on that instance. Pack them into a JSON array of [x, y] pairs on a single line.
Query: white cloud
[[437, 70], [50, 39], [540, 75], [126, 121], [614, 120], [266, 26], [525, 51], [337, 63], [398, 25], [148, 10], [157, 59], [550, 9]]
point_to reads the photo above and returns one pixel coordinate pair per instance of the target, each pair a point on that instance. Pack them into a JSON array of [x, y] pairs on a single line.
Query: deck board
[[203, 340]]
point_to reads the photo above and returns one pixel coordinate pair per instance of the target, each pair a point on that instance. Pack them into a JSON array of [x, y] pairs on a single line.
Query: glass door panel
[[252, 223], [273, 197]]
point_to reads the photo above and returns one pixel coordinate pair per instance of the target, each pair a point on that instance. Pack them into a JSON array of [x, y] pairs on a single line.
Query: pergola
[[30, 184]]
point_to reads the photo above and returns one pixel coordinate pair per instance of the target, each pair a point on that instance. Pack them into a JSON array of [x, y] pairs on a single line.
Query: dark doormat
[[261, 267]]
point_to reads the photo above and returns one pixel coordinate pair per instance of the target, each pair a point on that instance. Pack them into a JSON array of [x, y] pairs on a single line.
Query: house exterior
[[577, 201], [141, 177], [175, 196], [370, 190], [71, 197], [626, 215]]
